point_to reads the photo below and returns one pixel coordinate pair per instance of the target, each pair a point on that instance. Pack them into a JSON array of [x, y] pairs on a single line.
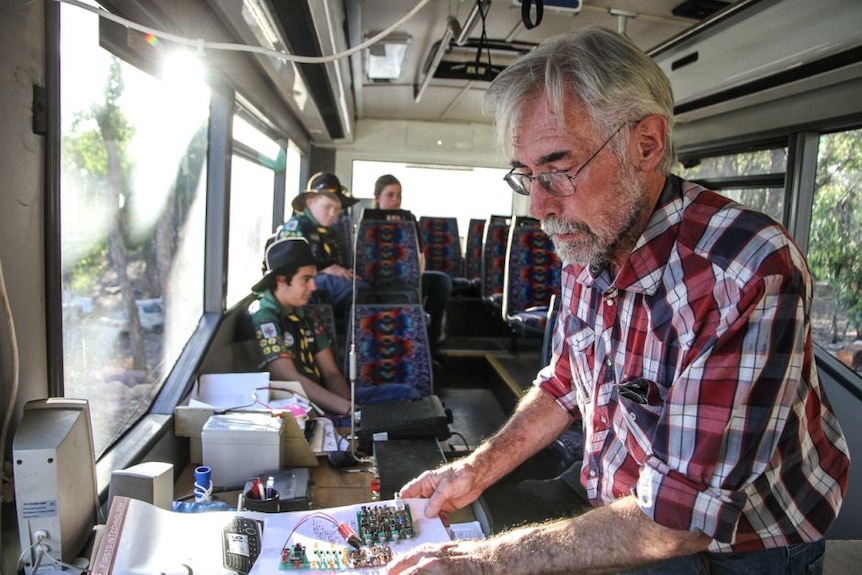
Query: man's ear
[[650, 138]]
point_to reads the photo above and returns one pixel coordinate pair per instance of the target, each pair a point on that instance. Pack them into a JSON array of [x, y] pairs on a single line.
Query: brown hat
[[326, 184], [287, 252]]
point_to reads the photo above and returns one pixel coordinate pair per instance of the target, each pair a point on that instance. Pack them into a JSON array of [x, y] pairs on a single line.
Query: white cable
[[200, 44]]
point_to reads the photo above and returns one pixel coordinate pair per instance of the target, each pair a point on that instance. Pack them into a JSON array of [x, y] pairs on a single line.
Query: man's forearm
[[537, 421], [606, 539]]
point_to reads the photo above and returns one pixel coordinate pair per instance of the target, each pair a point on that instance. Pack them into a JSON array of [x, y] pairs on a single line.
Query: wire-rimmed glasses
[[559, 184]]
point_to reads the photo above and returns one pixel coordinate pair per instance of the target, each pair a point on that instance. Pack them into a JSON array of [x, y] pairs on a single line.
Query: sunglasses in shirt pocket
[[643, 403]]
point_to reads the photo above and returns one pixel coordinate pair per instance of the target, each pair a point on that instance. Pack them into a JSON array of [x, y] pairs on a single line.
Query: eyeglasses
[[559, 184]]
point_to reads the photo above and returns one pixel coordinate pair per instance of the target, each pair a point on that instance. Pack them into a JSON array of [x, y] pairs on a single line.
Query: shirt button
[[592, 472], [609, 362], [604, 419], [633, 416]]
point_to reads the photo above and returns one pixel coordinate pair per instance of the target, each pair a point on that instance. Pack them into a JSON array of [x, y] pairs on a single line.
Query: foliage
[[835, 243]]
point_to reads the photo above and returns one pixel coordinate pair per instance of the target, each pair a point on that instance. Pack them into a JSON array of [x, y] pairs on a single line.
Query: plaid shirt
[[693, 371]]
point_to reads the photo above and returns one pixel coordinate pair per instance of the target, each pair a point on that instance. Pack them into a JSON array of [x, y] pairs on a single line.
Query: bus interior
[[152, 146]]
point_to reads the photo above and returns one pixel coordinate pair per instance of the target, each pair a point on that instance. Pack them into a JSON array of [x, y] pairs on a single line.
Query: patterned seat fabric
[[494, 259], [473, 251], [442, 245], [392, 346], [387, 253], [533, 275], [322, 314]]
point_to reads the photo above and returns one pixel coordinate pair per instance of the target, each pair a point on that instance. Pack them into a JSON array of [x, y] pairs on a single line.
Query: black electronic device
[[423, 418], [400, 460], [387, 215], [241, 541]]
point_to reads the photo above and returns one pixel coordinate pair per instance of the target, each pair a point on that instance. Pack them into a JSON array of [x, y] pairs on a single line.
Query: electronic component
[[298, 557], [241, 541], [385, 523]]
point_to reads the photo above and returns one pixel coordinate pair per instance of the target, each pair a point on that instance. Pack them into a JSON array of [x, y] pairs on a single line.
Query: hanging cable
[[200, 44]]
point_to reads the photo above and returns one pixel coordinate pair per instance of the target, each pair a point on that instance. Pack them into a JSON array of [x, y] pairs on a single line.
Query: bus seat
[[391, 346], [441, 245], [344, 235], [473, 252], [494, 259], [387, 254], [532, 275]]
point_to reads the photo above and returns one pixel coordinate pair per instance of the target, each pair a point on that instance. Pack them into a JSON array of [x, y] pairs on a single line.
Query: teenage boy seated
[[292, 347], [317, 210]]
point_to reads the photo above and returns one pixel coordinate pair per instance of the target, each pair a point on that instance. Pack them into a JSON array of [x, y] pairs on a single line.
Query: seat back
[[441, 245], [387, 254], [533, 271], [344, 235], [391, 346], [473, 250], [323, 314], [494, 256]]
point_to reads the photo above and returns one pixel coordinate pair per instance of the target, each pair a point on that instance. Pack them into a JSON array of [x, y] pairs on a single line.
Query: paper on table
[[140, 539], [325, 439], [231, 389], [318, 530]]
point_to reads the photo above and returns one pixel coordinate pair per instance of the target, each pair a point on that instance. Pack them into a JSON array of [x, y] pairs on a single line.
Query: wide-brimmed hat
[[326, 184], [287, 252]]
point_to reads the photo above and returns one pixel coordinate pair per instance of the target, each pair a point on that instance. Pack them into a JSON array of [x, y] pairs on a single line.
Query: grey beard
[[586, 252]]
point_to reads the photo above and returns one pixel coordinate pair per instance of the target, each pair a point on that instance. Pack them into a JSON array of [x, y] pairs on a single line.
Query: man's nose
[[542, 204]]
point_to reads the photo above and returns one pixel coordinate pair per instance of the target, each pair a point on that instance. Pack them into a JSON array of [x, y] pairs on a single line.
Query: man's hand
[[448, 488], [455, 558]]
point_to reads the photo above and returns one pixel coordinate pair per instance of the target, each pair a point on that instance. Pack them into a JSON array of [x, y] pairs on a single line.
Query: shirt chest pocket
[[580, 344]]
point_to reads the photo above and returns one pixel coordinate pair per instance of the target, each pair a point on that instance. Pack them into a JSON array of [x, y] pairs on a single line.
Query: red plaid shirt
[[693, 371]]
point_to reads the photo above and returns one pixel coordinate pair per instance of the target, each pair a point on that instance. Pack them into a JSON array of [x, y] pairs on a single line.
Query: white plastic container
[[238, 446]]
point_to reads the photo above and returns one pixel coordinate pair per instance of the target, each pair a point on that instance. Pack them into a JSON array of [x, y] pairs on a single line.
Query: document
[[140, 538]]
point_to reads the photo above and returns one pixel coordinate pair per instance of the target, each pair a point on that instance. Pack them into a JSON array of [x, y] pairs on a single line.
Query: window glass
[[770, 201], [266, 147], [132, 187], [736, 167], [250, 224], [771, 161], [293, 178], [835, 246], [440, 191]]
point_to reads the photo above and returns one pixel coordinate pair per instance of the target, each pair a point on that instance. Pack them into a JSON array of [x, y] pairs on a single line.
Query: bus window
[[133, 181], [835, 246], [440, 191], [754, 179], [251, 204]]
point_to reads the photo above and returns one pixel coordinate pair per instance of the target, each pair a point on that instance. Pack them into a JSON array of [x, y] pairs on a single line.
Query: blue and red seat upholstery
[[533, 275], [391, 346]]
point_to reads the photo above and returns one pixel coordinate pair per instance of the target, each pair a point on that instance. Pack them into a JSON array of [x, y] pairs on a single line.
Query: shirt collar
[[644, 267]]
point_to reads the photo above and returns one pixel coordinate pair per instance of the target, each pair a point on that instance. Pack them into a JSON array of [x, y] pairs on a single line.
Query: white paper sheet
[[231, 389]]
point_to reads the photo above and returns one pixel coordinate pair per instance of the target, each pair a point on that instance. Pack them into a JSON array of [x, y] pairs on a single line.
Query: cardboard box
[[221, 392], [294, 449]]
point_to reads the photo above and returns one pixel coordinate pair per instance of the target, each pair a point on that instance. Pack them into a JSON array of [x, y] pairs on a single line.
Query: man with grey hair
[[683, 347]]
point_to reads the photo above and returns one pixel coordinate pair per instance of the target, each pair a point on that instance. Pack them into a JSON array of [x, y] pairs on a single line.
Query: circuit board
[[331, 557], [385, 523]]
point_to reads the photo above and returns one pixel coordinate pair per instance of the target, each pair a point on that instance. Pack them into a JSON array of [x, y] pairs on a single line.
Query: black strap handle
[[525, 13]]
